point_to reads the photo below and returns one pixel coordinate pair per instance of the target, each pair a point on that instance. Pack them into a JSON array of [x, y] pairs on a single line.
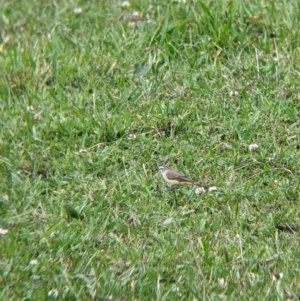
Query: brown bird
[[126, 17], [174, 178]]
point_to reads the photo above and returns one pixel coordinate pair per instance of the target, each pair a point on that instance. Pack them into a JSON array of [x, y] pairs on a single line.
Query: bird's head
[[162, 168]]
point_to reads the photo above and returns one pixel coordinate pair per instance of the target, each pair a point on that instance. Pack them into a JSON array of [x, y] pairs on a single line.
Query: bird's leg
[[174, 191], [175, 196]]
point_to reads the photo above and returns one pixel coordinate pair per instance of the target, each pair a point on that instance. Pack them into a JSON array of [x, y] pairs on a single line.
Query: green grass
[[90, 107]]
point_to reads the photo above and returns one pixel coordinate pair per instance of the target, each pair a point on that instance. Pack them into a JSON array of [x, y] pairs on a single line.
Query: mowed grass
[[90, 107]]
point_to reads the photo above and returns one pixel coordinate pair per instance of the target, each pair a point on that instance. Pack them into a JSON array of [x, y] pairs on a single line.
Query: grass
[[90, 107]]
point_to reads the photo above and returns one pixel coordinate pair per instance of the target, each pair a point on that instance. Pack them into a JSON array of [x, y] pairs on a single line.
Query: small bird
[[126, 17], [174, 178]]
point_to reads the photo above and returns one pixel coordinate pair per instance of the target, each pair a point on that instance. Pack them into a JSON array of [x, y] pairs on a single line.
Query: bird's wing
[[176, 175]]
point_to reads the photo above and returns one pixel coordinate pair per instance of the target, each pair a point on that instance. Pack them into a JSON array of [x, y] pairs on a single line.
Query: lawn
[[92, 105]]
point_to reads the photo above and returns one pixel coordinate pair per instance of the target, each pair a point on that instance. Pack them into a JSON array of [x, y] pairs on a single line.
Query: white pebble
[[77, 10], [233, 93], [221, 282], [253, 147], [199, 190], [33, 262], [3, 231], [53, 293], [212, 189], [125, 4]]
